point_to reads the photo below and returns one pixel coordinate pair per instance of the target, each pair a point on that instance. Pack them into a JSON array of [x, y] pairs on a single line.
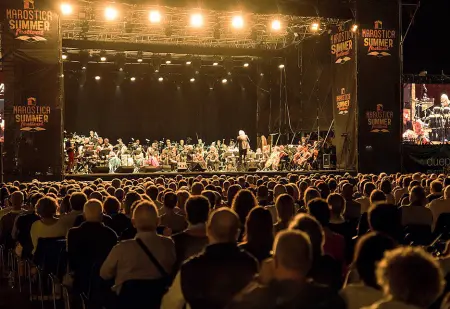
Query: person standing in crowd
[[194, 239], [243, 203], [212, 278], [128, 261], [289, 287]]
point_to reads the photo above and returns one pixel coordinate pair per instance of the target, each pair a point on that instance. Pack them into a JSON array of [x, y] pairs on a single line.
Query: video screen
[[426, 114]]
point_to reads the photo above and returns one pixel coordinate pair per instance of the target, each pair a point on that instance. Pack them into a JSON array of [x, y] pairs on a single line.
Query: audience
[[180, 247]]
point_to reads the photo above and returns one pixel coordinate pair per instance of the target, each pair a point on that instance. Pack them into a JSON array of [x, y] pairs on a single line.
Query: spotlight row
[[161, 79], [196, 19]]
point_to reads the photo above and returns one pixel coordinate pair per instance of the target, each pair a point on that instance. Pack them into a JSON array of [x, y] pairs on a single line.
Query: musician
[[136, 145], [153, 159], [181, 146], [212, 159], [168, 144], [120, 144], [444, 100], [70, 150], [243, 145], [106, 144], [114, 161], [93, 137], [99, 145]]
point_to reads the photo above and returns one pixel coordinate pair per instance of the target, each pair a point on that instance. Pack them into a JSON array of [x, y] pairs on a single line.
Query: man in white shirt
[[128, 261]]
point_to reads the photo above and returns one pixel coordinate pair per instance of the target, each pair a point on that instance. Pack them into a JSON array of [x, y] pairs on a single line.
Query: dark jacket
[[23, 228], [88, 246], [287, 294], [211, 279], [260, 251], [189, 243], [119, 223], [80, 219]]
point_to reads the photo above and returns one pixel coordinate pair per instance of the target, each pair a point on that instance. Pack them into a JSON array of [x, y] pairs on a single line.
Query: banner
[[32, 72], [426, 159], [342, 48], [379, 106]]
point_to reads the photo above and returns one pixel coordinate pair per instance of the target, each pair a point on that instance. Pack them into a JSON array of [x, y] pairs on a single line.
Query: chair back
[[142, 294], [418, 234], [50, 255], [443, 225]]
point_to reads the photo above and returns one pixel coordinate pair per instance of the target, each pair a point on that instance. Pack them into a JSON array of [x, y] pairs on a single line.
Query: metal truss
[[133, 26]]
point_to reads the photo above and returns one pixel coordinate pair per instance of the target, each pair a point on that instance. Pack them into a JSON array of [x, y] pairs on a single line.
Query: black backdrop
[[149, 109]]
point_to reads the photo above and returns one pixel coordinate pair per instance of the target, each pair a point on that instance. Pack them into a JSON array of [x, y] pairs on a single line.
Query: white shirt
[[359, 295], [41, 230], [437, 208]]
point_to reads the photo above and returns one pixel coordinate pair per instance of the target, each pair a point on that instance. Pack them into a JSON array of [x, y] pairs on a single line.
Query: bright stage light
[[83, 68], [246, 65], [237, 22], [133, 79], [97, 77], [160, 79], [103, 58], [111, 13], [192, 80], [276, 25], [215, 63], [66, 9], [281, 66], [196, 20], [354, 28], [64, 56], [188, 62], [315, 27], [154, 17], [224, 81], [168, 62], [139, 60]]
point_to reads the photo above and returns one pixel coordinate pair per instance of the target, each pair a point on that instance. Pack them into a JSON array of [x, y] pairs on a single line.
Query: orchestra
[[85, 153]]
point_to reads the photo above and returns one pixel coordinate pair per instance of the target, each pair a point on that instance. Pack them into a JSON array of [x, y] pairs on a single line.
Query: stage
[[107, 176]]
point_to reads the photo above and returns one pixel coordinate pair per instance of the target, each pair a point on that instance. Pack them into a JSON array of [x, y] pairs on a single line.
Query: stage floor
[[105, 176]]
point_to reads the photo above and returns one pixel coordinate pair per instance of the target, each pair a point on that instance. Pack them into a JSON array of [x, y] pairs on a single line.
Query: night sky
[[427, 45]]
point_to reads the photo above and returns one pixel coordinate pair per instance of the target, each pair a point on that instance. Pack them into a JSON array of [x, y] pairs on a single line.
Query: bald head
[[292, 254], [145, 217], [16, 200], [223, 226], [93, 211]]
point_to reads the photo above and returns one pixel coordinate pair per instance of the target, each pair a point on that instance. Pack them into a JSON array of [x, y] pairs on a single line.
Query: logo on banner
[[29, 24], [31, 116], [343, 102], [380, 120], [378, 41], [342, 45]]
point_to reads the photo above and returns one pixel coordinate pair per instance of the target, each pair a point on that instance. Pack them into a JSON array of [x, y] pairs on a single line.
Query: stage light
[[168, 62], [196, 20], [97, 77], [354, 28], [315, 27], [237, 22], [139, 56], [103, 58], [133, 79], [64, 56], [160, 79], [66, 9], [281, 66], [154, 17], [111, 13], [156, 71], [188, 62], [276, 25], [215, 63], [83, 68], [211, 88], [261, 74], [246, 65], [224, 81], [192, 80], [120, 69]]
